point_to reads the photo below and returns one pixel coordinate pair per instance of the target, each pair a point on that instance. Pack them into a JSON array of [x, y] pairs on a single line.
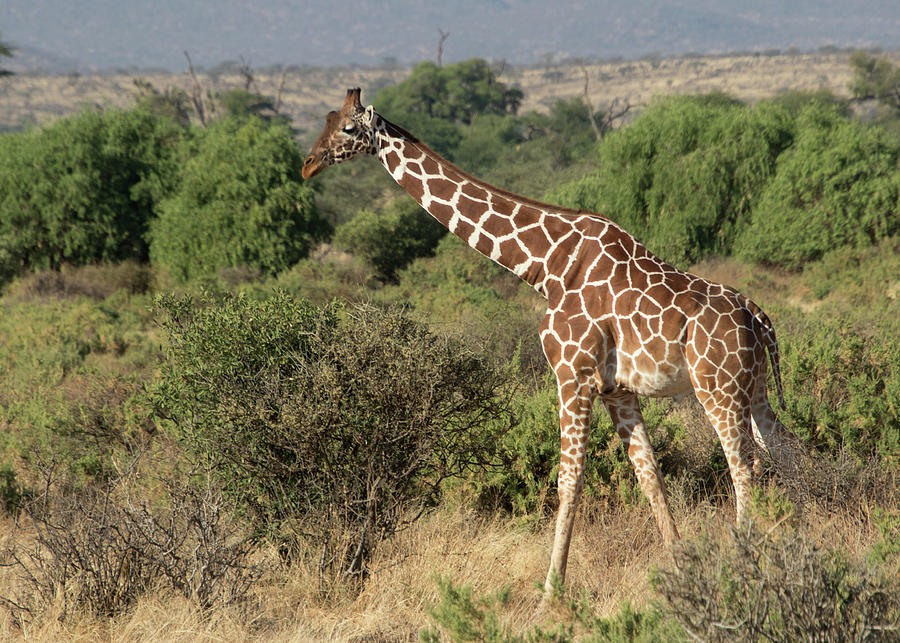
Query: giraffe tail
[[767, 333]]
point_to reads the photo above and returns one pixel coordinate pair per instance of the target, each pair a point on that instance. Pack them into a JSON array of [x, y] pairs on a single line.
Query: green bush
[[72, 369], [875, 77], [488, 139], [434, 101], [463, 616], [240, 203], [566, 131], [84, 189], [529, 452], [391, 239], [841, 387], [462, 289], [324, 422], [686, 175], [838, 185], [456, 92]]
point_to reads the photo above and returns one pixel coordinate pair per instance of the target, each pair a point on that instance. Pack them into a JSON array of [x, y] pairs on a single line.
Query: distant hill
[[98, 34]]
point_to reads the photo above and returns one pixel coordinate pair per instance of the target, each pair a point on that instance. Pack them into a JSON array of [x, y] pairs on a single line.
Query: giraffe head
[[347, 133]]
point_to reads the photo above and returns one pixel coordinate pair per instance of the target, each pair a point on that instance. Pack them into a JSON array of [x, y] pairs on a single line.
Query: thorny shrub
[[778, 587], [97, 549], [331, 427]]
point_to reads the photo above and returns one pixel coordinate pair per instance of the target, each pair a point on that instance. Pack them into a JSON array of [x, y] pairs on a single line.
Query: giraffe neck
[[508, 229]]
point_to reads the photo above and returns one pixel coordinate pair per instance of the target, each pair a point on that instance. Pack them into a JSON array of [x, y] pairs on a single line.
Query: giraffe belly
[[653, 380]]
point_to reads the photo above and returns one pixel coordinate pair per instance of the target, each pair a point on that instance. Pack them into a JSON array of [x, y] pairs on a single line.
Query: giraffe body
[[620, 321]]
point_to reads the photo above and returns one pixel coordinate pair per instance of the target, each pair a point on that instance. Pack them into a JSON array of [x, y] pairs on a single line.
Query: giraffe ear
[[370, 115]]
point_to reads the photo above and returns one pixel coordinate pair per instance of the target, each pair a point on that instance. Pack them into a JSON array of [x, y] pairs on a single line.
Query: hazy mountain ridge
[[95, 34]]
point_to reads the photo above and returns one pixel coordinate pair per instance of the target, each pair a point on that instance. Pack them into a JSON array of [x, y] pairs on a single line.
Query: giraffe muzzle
[[311, 166]]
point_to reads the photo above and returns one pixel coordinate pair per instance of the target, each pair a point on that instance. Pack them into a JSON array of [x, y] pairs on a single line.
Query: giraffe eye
[[349, 129]]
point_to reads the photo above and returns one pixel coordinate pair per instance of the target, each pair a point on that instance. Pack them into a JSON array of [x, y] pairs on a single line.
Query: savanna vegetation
[[238, 405]]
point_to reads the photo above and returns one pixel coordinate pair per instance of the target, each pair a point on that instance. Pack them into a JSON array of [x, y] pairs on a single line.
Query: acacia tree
[[875, 78], [239, 203], [455, 92]]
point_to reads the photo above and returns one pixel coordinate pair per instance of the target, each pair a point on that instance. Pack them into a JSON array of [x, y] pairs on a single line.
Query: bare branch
[[280, 89], [612, 115], [440, 48], [246, 70], [196, 92], [587, 101]]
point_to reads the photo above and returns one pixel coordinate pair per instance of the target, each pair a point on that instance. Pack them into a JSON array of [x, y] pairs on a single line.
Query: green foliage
[[686, 175], [887, 549], [72, 367], [84, 189], [434, 101], [529, 452], [566, 130], [172, 103], [485, 142], [837, 186], [462, 616], [841, 387], [467, 618], [242, 104], [782, 182], [325, 422], [858, 276], [875, 77], [452, 93], [464, 290], [240, 203], [526, 481], [391, 239], [341, 190], [795, 101]]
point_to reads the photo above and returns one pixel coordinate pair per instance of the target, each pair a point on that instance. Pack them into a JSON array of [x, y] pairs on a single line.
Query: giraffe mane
[[506, 194]]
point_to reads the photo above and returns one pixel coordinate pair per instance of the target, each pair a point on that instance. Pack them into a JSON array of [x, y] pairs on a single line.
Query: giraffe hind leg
[[771, 435], [625, 411], [731, 420]]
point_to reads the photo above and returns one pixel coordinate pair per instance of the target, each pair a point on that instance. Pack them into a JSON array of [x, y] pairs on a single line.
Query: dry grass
[[613, 551], [485, 552], [309, 93]]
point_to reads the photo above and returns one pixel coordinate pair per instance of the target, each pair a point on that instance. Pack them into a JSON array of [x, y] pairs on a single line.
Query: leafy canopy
[[875, 77], [684, 177], [240, 203], [84, 189]]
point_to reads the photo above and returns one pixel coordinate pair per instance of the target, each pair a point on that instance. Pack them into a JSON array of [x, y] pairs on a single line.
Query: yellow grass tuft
[[613, 550]]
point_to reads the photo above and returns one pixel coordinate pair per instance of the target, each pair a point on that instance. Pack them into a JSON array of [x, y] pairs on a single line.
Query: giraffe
[[620, 322]]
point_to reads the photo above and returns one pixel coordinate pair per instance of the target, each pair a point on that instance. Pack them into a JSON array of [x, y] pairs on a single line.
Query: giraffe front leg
[[575, 400], [625, 411]]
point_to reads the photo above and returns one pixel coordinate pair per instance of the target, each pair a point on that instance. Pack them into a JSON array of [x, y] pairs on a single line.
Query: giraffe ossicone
[[620, 321]]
